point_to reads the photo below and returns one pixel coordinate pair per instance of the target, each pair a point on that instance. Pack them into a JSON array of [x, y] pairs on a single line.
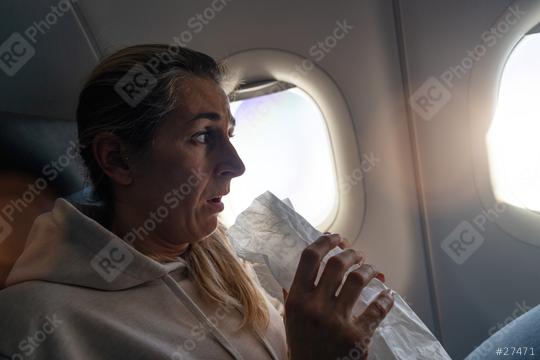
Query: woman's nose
[[230, 165]]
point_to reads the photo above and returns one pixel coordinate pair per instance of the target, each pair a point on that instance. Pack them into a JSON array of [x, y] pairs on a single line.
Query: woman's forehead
[[198, 95], [198, 99]]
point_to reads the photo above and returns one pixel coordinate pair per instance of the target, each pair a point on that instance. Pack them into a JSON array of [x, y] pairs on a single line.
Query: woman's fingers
[[314, 330], [354, 284], [310, 261], [376, 311], [344, 243], [335, 270]]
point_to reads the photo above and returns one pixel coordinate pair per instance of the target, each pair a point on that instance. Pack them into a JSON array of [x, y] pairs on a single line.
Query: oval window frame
[[484, 85], [255, 65]]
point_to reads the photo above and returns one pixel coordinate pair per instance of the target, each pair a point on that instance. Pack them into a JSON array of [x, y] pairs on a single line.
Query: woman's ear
[[110, 154]]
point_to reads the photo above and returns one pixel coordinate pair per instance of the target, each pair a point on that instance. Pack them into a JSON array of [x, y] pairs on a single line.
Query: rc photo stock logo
[[462, 242], [15, 52], [112, 260], [430, 98], [467, 238], [17, 49], [135, 85]]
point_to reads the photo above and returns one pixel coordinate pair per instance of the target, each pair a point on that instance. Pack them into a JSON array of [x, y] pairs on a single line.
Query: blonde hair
[[215, 269], [221, 277]]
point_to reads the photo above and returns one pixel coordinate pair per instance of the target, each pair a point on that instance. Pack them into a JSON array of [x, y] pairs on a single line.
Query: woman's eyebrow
[[211, 116], [206, 115]]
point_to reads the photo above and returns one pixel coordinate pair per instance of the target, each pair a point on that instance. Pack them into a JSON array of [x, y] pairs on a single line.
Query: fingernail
[[381, 277], [387, 299]]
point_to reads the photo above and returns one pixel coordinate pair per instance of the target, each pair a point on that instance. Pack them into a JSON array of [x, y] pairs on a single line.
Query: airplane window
[[514, 137], [284, 143]]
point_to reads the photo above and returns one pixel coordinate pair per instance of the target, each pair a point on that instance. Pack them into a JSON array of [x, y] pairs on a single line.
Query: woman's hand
[[320, 325]]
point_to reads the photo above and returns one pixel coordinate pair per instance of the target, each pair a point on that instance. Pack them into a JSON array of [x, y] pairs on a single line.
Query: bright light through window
[[283, 141], [514, 137]]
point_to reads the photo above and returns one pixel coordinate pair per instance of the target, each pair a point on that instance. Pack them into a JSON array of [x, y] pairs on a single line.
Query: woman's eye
[[207, 137], [201, 137]]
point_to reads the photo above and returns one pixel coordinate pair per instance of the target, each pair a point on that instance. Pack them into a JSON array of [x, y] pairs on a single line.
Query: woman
[[149, 273]]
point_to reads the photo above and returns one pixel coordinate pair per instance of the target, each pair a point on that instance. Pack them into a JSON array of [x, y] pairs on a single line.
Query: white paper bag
[[270, 232]]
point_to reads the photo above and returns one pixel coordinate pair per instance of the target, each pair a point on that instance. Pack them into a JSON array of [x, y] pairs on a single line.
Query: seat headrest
[[41, 147]]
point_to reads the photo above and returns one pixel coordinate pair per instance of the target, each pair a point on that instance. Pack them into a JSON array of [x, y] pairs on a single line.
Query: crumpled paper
[[270, 232]]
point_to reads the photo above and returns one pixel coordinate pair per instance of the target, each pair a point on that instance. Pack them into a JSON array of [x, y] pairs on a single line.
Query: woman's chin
[[209, 227]]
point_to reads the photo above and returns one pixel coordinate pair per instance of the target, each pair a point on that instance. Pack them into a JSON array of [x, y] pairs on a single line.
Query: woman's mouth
[[216, 204]]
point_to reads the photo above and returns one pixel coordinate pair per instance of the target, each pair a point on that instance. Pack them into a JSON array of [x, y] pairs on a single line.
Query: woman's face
[[189, 166]]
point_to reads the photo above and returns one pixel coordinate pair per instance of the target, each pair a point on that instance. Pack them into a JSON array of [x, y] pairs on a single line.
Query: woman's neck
[[128, 226]]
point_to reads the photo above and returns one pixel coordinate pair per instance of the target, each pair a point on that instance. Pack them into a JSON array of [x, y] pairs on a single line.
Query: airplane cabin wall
[[49, 82], [498, 281]]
